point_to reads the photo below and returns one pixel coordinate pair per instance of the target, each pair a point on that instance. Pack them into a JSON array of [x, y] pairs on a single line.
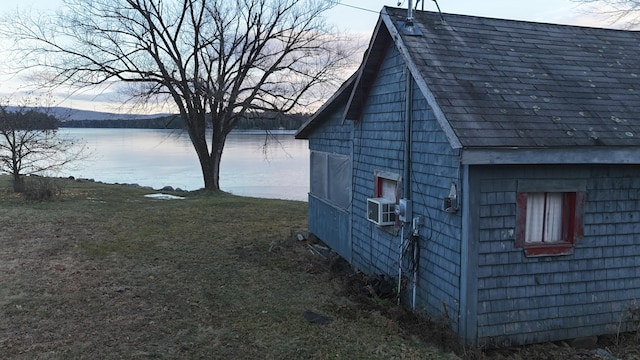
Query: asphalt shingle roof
[[504, 83]]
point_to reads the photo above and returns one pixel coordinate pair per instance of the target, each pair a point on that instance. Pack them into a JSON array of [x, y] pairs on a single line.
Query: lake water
[[158, 158]]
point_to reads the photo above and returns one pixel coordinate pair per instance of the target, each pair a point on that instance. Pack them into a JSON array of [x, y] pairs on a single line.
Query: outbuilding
[[492, 167]]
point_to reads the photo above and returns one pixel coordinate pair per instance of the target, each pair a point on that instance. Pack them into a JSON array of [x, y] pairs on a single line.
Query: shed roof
[[504, 83], [497, 83]]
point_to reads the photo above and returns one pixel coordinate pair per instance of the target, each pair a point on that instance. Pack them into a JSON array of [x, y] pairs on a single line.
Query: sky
[[357, 17], [351, 14]]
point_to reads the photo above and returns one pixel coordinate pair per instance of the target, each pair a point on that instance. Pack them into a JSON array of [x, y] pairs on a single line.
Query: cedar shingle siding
[[538, 299]]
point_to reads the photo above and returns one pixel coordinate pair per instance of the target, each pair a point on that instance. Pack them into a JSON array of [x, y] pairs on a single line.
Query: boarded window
[[331, 178]]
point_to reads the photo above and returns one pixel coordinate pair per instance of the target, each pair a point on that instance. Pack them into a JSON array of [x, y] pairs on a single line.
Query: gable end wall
[[379, 145]]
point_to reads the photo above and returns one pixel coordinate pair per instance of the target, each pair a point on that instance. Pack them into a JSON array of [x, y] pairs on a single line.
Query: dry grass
[[107, 273]]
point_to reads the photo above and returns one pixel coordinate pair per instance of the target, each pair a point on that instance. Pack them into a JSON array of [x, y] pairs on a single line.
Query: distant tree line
[[26, 120], [271, 121], [164, 122], [257, 121]]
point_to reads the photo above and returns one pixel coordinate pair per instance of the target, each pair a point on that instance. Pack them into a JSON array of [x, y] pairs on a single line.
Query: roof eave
[[453, 139], [386, 33], [351, 89], [623, 155], [379, 42], [314, 120]]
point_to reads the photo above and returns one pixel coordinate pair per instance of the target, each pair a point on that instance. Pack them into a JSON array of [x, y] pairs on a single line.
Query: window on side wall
[[549, 216], [386, 185], [386, 192], [331, 178]]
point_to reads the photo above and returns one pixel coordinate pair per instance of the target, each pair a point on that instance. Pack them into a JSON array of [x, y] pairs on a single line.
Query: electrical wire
[[426, 207], [359, 8]]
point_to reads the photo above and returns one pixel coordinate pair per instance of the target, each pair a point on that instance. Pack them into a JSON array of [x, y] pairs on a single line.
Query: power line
[[359, 8], [400, 3]]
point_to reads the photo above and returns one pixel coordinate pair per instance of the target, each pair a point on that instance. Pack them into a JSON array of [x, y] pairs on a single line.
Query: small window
[[544, 223], [549, 222], [386, 189], [386, 185], [386, 193]]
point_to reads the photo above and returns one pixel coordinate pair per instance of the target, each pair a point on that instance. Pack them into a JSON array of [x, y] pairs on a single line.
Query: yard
[[108, 273]]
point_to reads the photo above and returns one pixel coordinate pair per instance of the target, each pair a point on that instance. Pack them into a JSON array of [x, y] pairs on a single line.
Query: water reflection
[[157, 158]]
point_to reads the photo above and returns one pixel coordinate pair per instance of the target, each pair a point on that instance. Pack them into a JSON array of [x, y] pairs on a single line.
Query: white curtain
[[544, 217], [553, 218]]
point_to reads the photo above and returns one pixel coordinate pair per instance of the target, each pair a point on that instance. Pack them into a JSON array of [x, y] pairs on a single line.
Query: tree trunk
[[210, 162], [211, 182], [217, 145], [18, 183]]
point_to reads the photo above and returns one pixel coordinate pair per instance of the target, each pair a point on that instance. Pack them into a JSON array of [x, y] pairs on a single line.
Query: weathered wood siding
[[435, 166], [329, 223], [536, 299], [332, 135], [379, 145]]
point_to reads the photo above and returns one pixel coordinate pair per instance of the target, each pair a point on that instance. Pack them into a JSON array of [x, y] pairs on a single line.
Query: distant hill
[[65, 114], [69, 117]]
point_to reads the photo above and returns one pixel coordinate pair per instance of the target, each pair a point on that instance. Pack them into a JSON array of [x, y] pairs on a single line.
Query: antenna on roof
[[410, 12], [439, 11]]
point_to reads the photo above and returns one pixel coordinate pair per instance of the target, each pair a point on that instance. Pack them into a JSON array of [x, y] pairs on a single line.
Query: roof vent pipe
[[407, 27]]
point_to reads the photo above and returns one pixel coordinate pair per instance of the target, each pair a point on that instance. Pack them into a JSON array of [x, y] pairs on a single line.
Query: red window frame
[[379, 177], [572, 225], [378, 181]]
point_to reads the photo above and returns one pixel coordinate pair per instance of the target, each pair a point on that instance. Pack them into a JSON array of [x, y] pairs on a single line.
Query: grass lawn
[[106, 273]]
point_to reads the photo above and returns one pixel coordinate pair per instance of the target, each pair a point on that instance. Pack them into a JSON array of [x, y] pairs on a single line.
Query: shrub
[[42, 189]]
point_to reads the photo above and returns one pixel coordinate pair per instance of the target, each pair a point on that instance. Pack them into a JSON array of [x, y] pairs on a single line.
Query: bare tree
[[30, 144], [617, 11], [215, 61]]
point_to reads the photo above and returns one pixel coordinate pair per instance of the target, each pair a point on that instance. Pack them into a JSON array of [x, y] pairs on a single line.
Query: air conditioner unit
[[381, 211]]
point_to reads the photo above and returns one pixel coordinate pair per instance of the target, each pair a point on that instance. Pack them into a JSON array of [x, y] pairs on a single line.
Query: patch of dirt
[[357, 288]]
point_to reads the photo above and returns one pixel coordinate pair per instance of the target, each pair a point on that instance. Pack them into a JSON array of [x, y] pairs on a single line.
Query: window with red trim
[[388, 186], [549, 223], [385, 188]]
